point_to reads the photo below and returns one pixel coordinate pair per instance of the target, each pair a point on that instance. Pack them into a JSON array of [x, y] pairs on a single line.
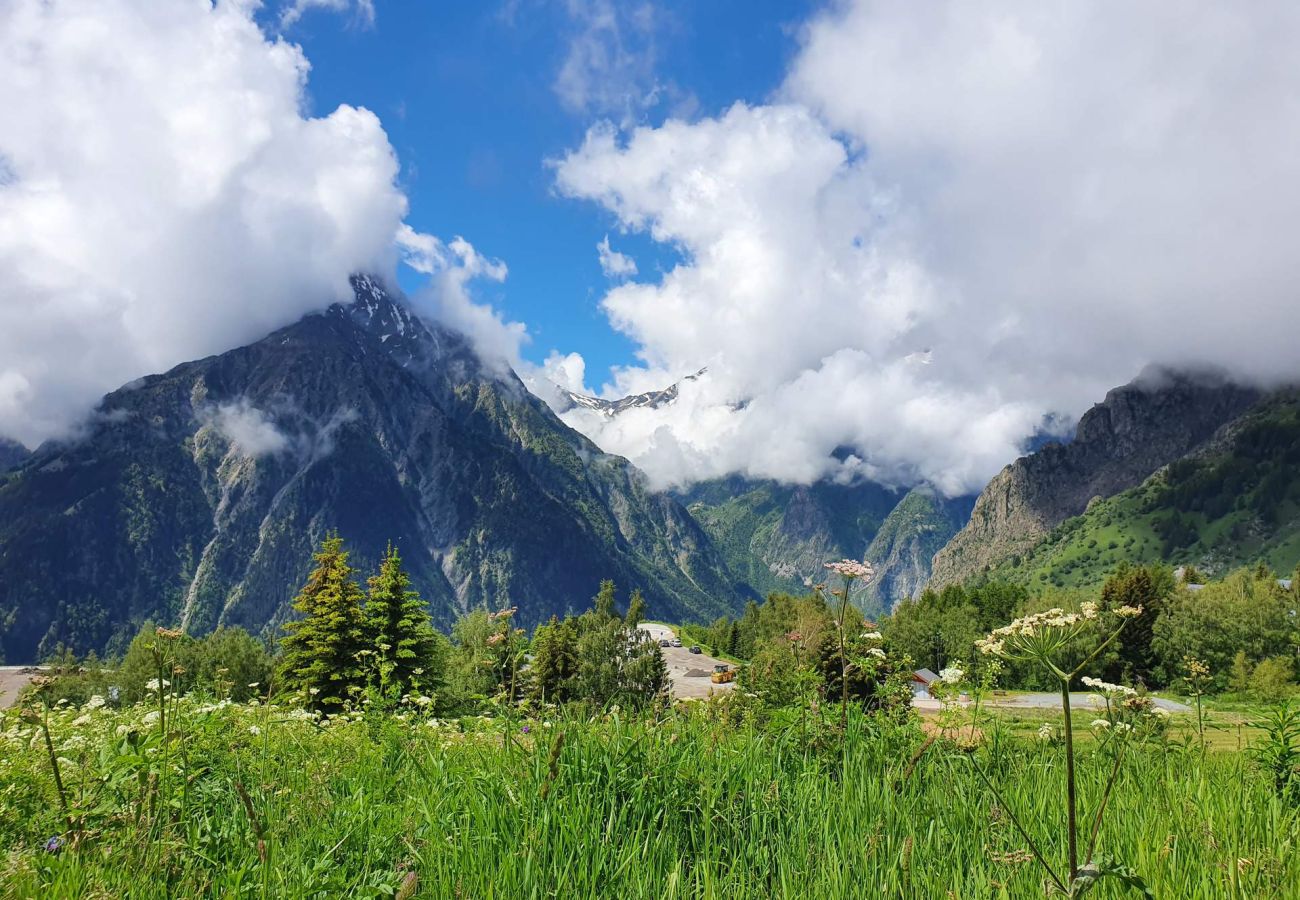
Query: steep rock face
[[1233, 501], [902, 551], [777, 537], [1138, 428], [198, 495]]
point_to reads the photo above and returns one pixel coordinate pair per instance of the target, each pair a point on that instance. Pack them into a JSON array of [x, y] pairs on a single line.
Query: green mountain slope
[[915, 529], [777, 537], [196, 496], [1234, 501], [1159, 418]]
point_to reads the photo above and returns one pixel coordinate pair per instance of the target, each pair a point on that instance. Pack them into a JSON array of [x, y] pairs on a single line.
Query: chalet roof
[[925, 675]]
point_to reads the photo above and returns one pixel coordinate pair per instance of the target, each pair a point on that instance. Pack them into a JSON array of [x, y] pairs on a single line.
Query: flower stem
[[1071, 821]]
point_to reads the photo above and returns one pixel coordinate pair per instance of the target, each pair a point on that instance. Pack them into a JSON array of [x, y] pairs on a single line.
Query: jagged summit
[[651, 399]]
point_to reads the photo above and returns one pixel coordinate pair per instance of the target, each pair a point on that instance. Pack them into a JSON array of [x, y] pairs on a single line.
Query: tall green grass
[[702, 802]]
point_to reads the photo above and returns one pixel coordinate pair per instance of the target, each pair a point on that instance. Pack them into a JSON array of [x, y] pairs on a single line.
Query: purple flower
[[526, 729], [54, 844]]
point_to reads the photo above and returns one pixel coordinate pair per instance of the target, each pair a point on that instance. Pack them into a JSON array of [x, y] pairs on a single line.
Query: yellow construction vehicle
[[722, 674]]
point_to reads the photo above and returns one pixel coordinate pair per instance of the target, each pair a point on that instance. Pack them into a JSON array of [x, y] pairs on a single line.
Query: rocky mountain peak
[[1138, 428]]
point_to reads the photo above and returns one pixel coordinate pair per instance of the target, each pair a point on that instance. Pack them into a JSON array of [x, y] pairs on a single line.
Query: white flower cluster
[[153, 684], [1046, 732], [876, 652], [951, 675], [849, 568], [1110, 690]]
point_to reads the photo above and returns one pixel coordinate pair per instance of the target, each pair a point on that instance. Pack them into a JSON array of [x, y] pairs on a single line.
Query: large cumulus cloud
[[163, 195], [952, 221]]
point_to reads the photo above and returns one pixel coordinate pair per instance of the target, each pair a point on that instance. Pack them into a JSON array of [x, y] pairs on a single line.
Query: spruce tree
[[320, 649], [400, 632], [555, 661], [603, 602], [635, 609]]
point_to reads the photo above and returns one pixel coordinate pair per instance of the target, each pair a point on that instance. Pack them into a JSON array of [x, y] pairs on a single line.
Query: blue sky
[[467, 94]]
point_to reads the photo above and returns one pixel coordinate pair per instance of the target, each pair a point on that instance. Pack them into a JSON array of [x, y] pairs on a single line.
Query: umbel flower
[[850, 568], [1040, 635]]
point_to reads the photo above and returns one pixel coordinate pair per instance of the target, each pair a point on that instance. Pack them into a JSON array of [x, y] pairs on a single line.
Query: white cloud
[[248, 428], [363, 11], [165, 196], [610, 61], [954, 220], [613, 263]]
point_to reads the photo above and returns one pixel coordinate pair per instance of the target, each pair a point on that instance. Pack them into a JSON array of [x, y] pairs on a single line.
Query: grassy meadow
[[189, 797]]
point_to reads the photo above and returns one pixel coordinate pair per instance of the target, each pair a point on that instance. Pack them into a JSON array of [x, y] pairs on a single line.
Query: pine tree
[[635, 609], [603, 602], [400, 632], [555, 661], [320, 649]]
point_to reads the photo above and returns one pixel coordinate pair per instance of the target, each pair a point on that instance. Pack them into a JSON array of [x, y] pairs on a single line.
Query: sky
[[903, 237]]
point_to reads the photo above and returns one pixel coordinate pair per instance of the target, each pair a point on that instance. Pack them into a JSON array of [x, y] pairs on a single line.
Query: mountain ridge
[[197, 495]]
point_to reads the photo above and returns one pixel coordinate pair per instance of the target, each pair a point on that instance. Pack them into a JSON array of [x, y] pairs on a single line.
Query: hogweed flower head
[[851, 569], [951, 675], [1114, 691]]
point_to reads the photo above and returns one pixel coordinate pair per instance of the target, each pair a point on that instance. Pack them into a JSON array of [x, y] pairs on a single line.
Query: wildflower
[[150, 718], [254, 730], [1046, 732], [495, 639], [872, 635], [1100, 723], [168, 633], [525, 729], [254, 684], [876, 652], [1088, 609], [54, 844], [81, 721], [1110, 690], [1195, 668], [794, 637], [313, 691], [848, 568], [94, 702], [1128, 612], [951, 675]]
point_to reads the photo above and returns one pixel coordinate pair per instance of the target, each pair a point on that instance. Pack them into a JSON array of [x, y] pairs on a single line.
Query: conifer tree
[[320, 649], [603, 602], [555, 661], [400, 632], [635, 609]]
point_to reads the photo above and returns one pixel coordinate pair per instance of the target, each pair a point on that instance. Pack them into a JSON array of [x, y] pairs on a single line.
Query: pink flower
[[848, 568]]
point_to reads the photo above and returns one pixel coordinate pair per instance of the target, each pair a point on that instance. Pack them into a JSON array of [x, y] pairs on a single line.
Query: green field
[[725, 801]]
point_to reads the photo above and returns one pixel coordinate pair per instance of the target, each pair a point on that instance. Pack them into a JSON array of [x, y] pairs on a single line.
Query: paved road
[[12, 680], [688, 672], [1078, 701]]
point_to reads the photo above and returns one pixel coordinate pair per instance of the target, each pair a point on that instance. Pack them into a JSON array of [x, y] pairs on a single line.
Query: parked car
[[676, 642], [664, 642], [696, 650]]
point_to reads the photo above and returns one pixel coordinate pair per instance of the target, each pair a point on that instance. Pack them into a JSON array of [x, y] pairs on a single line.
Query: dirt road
[[12, 680], [689, 672]]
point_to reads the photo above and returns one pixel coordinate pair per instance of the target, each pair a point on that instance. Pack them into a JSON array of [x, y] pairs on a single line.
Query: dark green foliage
[[319, 655], [939, 628], [406, 651], [1243, 613], [635, 609], [227, 663], [603, 603], [553, 671], [1148, 587]]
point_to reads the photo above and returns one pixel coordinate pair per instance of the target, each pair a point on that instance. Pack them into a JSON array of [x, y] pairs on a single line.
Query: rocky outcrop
[[902, 551], [1138, 428]]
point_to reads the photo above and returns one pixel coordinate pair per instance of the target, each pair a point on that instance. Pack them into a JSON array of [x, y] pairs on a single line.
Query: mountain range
[[197, 496]]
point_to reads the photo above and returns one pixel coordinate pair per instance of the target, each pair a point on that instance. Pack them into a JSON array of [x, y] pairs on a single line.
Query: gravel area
[[689, 672]]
